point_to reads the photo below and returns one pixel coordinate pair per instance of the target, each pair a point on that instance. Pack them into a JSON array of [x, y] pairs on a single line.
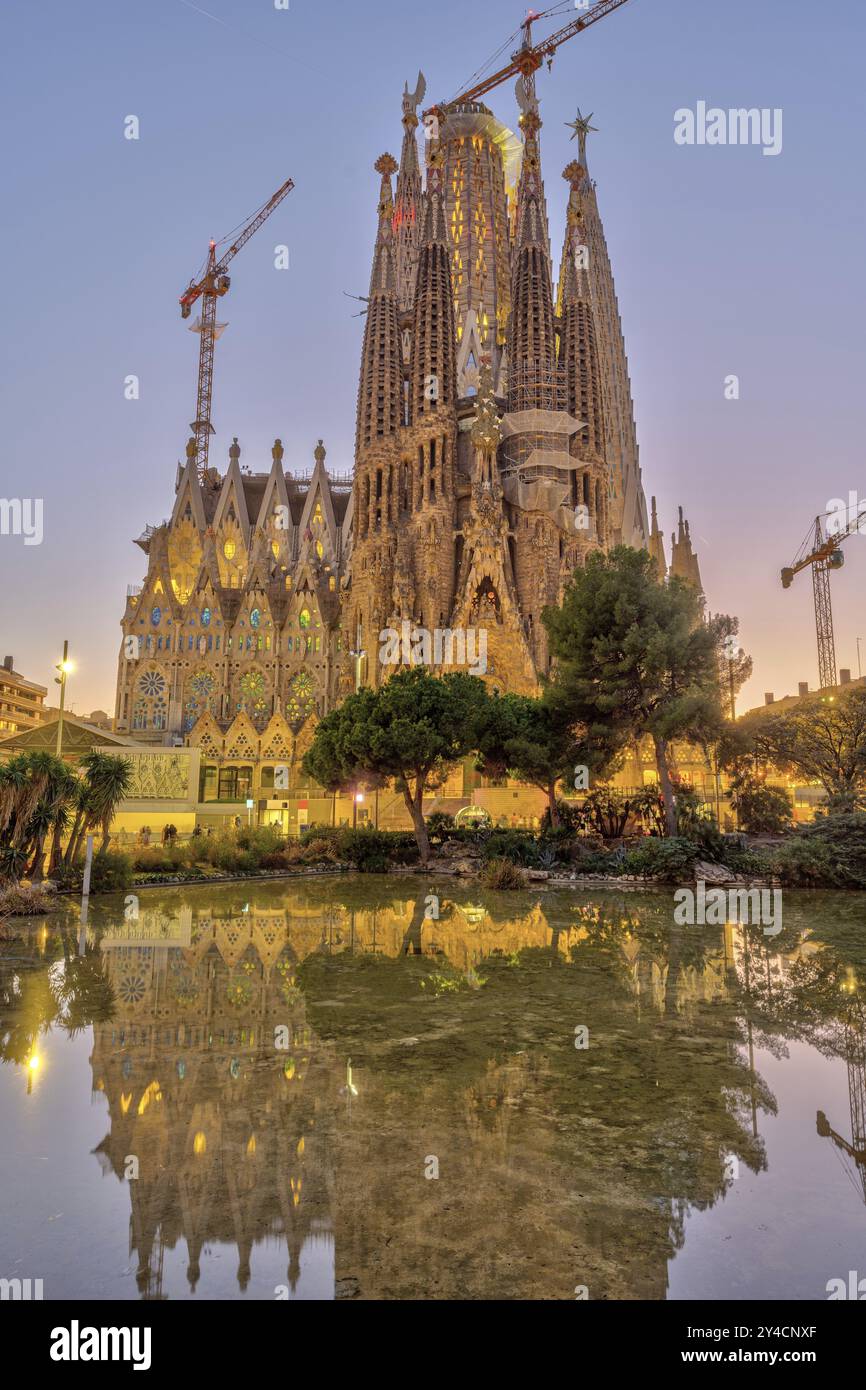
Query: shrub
[[111, 872], [278, 861], [803, 863], [762, 809], [502, 874], [30, 901], [439, 824], [259, 840], [571, 819], [831, 851], [670, 860], [323, 850], [366, 850], [513, 845]]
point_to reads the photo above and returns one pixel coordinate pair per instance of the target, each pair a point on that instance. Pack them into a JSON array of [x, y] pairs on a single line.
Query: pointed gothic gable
[[469, 357], [231, 527], [206, 735], [274, 521], [188, 504], [242, 740], [277, 738], [318, 526]]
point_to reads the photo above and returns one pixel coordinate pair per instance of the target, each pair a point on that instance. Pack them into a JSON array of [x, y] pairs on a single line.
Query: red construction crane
[[211, 287], [822, 550], [529, 58]]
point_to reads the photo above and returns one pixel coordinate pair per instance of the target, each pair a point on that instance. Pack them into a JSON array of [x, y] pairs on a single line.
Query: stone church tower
[[495, 449], [496, 444]]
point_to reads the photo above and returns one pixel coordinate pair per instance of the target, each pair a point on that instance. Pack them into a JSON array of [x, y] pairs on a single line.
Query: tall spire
[[408, 203], [628, 518], [578, 346], [657, 544], [433, 386], [380, 396], [684, 561], [531, 341]]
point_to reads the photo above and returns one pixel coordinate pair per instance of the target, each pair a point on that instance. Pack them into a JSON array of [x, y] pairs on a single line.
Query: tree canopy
[[635, 654], [413, 730]]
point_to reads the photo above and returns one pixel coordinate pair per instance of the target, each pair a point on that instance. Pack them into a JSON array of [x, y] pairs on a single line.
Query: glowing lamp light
[[66, 667], [34, 1062], [359, 796]]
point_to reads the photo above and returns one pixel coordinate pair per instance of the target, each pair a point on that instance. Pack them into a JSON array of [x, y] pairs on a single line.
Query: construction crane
[[212, 286], [822, 550], [529, 57]]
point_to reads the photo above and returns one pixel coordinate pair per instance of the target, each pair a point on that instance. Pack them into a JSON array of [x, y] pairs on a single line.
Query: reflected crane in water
[[854, 1152]]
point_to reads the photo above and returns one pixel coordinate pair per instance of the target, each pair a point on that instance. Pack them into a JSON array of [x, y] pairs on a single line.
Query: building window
[[208, 783], [235, 783]]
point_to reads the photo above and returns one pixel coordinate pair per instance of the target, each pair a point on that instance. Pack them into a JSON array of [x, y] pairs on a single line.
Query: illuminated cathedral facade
[[495, 450]]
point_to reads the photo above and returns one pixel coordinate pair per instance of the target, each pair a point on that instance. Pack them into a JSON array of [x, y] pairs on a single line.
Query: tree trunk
[[37, 864], [661, 747], [56, 845], [551, 801], [73, 836], [415, 805], [106, 837]]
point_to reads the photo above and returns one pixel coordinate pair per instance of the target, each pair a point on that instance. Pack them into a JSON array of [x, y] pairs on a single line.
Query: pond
[[400, 1088]]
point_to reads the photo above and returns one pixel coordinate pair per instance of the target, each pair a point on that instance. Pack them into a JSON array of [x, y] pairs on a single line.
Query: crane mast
[[213, 285], [824, 556]]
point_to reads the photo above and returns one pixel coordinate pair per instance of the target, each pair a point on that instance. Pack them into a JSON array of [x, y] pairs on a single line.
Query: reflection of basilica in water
[[408, 1094], [225, 1070]]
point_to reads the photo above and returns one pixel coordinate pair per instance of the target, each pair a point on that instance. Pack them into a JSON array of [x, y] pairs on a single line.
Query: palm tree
[[32, 785], [105, 784], [51, 808], [110, 779]]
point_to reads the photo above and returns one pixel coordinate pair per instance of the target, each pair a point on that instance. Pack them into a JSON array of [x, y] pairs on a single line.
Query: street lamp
[[356, 801], [64, 667]]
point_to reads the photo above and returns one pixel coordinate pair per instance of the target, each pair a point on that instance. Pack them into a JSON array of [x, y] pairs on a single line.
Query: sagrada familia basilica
[[495, 450]]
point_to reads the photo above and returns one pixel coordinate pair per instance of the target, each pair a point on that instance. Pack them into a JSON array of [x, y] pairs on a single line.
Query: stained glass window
[[300, 702], [152, 683], [304, 618], [156, 616], [229, 550], [253, 696], [205, 617], [255, 618]]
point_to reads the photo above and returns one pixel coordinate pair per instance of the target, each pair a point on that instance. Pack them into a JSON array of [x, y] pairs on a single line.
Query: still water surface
[[248, 1091]]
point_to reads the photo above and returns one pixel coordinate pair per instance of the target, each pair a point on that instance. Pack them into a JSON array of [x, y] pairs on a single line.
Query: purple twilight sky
[[727, 261]]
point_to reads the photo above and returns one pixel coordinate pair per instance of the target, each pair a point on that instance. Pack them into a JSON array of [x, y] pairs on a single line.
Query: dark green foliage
[[517, 846], [636, 657], [831, 852], [761, 809], [671, 860], [411, 731], [111, 872], [439, 824]]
